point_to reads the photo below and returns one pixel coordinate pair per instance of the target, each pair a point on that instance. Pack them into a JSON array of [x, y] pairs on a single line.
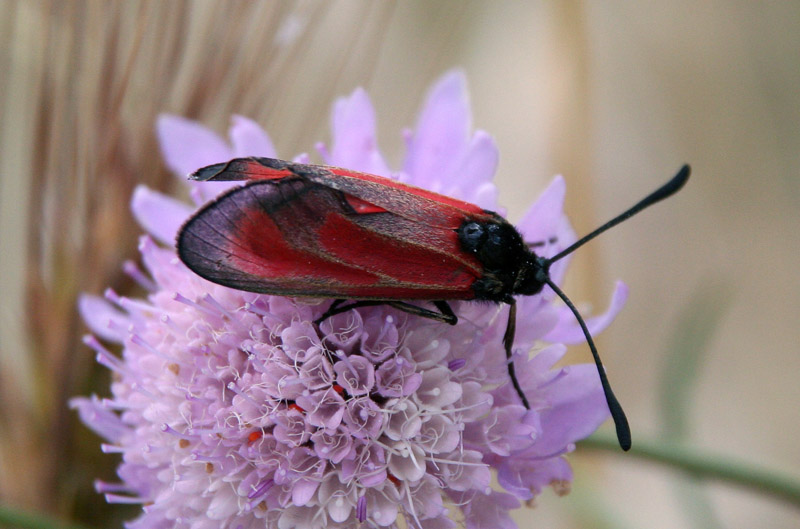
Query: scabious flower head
[[233, 409]]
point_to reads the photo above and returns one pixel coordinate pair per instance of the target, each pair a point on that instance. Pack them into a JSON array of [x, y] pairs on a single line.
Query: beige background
[[615, 96]]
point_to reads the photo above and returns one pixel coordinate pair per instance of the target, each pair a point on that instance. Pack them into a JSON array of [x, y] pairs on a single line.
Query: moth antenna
[[665, 191], [617, 413]]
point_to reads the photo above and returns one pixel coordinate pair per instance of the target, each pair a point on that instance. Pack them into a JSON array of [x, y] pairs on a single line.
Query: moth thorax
[[530, 278]]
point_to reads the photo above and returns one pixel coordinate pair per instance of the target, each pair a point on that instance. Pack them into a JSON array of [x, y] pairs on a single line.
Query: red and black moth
[[325, 232]]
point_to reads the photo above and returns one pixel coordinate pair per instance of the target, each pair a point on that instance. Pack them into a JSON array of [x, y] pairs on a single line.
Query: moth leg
[[446, 310], [337, 308], [336, 303], [446, 314], [508, 341]]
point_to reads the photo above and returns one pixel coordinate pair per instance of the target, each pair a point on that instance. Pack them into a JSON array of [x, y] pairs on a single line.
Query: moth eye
[[471, 235], [497, 239], [494, 234], [473, 230]]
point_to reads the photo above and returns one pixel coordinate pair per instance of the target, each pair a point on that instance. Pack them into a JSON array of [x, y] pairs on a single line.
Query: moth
[[318, 231]]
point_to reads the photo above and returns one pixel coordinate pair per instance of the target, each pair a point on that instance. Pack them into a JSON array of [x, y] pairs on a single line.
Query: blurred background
[[613, 95]]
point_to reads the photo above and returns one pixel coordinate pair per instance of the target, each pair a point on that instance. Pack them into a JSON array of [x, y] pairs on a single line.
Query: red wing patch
[[353, 177], [243, 169], [367, 193], [362, 207], [293, 236]]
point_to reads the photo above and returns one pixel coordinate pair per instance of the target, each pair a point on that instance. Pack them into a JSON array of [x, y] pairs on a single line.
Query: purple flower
[[232, 409]]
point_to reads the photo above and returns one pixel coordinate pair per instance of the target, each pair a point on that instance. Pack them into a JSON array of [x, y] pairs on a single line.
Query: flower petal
[[102, 318], [407, 462], [99, 418], [540, 222], [381, 507], [223, 504], [161, 216], [475, 168], [525, 479], [188, 146], [545, 224], [440, 522], [568, 331], [353, 130], [303, 490], [442, 131], [490, 511], [535, 319], [485, 196], [249, 139], [577, 408], [294, 517]]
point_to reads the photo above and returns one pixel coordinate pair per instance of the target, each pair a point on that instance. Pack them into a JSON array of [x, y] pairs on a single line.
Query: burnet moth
[[325, 232]]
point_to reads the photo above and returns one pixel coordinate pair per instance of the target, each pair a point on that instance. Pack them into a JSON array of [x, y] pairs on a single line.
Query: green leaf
[[697, 324], [706, 466], [20, 519]]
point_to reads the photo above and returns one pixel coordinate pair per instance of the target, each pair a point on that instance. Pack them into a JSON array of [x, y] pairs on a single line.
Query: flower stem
[[707, 466], [11, 517]]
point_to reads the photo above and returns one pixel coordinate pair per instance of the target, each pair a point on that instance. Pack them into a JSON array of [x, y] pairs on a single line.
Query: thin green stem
[[707, 466], [19, 519]]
